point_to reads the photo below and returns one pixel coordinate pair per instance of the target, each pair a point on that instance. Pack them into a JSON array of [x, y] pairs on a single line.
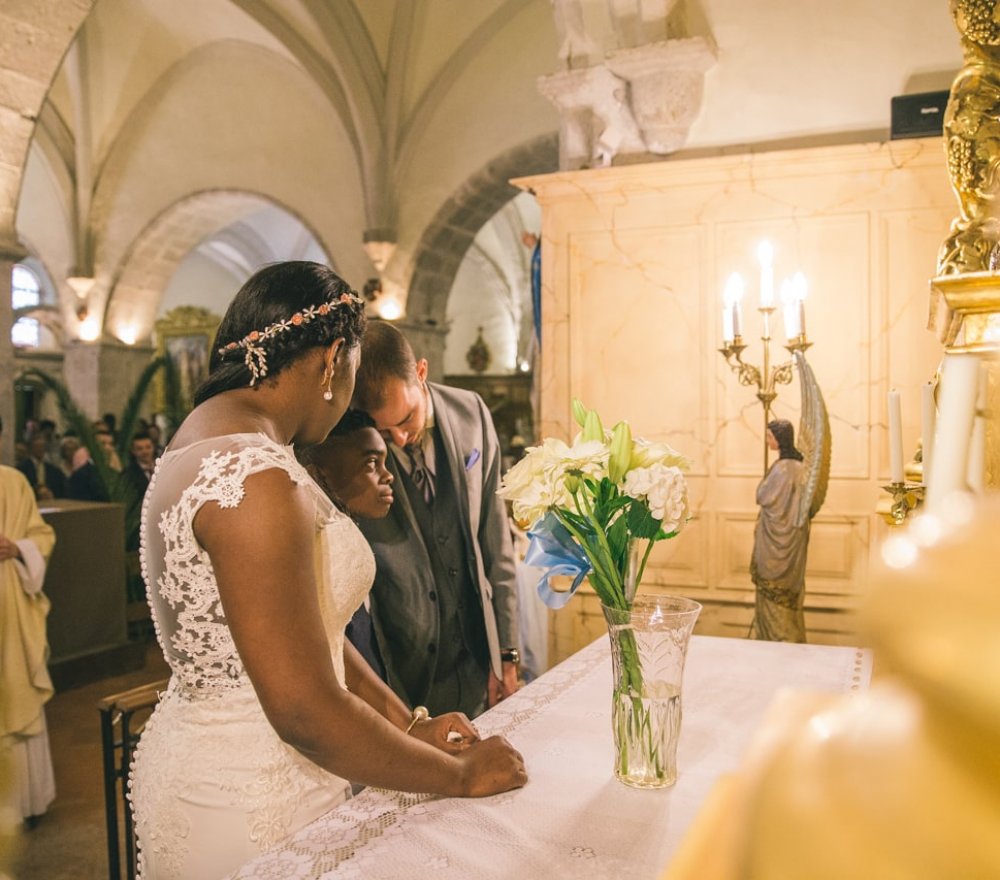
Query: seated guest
[[67, 448], [47, 428], [350, 467], [106, 440], [45, 479], [142, 460], [85, 483], [154, 434]]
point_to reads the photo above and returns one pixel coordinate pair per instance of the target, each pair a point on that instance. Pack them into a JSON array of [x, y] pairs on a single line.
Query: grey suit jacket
[[404, 581]]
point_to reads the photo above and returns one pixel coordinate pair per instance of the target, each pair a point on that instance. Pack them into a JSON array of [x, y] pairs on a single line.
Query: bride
[[252, 575]]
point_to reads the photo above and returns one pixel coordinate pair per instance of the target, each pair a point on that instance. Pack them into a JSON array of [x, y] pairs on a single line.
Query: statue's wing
[[813, 441]]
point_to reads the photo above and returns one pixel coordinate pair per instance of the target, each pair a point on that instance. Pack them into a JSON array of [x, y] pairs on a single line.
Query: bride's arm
[[439, 731], [258, 550]]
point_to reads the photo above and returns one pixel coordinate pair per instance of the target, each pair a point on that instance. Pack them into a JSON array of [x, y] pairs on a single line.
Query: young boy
[[350, 467]]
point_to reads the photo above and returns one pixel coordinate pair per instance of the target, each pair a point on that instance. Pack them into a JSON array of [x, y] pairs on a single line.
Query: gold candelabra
[[765, 378], [906, 497]]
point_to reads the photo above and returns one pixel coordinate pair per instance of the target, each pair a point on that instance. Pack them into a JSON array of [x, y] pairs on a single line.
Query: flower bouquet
[[595, 509]]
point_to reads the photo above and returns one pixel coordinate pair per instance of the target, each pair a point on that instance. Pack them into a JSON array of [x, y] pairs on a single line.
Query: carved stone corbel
[[665, 88]]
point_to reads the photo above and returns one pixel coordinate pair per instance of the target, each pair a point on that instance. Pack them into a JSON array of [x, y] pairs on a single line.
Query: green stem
[[617, 581], [598, 565]]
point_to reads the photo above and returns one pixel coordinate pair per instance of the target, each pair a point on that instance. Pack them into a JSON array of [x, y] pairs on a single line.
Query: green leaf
[[579, 411], [641, 522]]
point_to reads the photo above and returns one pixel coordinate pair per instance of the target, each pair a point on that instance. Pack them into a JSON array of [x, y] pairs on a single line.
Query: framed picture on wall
[[185, 335]]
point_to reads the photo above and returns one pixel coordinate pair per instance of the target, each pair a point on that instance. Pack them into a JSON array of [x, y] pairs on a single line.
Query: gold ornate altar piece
[[965, 295]]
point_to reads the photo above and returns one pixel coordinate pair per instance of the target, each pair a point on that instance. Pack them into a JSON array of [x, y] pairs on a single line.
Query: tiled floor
[[70, 843]]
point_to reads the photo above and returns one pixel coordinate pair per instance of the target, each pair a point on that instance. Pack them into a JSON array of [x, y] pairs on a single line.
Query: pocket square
[[472, 458]]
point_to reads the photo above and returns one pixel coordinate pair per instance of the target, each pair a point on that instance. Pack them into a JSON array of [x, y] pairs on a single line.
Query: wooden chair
[[123, 717]]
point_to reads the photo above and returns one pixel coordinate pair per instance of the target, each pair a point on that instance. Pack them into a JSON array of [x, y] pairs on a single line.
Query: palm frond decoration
[[133, 406]]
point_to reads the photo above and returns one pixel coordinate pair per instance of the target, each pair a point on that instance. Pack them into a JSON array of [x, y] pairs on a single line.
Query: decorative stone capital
[[665, 83], [595, 121]]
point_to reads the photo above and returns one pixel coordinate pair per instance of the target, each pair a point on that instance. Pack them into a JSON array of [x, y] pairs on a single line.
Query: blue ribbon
[[552, 547]]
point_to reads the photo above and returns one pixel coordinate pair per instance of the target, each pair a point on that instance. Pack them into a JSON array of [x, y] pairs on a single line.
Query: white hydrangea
[[664, 489]]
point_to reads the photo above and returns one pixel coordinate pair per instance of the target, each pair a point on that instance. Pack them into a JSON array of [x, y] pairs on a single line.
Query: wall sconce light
[[386, 303]]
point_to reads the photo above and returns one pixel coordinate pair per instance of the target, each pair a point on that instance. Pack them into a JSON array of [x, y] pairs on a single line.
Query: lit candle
[[957, 395], [789, 310], [765, 255], [895, 438], [733, 296], [801, 289], [927, 428], [727, 324]]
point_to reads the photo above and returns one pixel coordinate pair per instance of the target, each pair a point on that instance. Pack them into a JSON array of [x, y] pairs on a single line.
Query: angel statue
[[789, 496]]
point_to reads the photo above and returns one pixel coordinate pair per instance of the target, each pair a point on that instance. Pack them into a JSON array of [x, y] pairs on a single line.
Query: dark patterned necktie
[[422, 478]]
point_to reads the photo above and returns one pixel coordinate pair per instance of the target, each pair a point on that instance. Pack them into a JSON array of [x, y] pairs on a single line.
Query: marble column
[[100, 376]]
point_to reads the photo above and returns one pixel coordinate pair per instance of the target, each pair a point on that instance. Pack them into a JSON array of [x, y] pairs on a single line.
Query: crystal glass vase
[[649, 645]]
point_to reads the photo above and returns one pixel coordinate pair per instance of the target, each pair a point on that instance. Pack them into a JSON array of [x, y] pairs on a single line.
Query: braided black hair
[[272, 294]]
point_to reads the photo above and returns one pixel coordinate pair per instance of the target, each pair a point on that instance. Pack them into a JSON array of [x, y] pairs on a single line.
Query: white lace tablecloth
[[572, 819]]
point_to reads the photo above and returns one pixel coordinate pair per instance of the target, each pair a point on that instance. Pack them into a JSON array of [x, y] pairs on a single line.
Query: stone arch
[[34, 38], [449, 234], [155, 254]]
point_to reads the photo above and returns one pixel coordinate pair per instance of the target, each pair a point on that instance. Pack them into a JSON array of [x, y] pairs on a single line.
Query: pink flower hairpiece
[[255, 356]]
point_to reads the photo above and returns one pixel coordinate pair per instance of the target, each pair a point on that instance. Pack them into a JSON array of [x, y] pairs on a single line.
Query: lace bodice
[[187, 612]]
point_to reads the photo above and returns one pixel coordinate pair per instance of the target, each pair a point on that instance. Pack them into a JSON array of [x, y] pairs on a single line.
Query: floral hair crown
[[255, 356]]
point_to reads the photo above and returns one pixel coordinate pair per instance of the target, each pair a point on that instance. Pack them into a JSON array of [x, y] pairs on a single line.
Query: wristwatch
[[510, 655]]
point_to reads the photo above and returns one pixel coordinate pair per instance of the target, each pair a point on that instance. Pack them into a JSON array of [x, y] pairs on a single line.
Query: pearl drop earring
[[328, 394]]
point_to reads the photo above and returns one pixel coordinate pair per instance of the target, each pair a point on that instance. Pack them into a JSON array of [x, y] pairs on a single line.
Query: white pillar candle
[[953, 433], [789, 310], [765, 255], [733, 294], [927, 428], [801, 288], [895, 438], [727, 324]]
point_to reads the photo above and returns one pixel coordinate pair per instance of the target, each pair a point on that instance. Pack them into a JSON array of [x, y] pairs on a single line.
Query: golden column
[[965, 295]]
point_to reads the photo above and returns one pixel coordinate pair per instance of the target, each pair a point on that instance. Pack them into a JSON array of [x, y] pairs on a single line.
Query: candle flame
[[734, 289], [800, 285], [765, 253]]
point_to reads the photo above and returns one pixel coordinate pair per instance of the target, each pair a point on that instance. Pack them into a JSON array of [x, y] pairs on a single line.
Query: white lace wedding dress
[[212, 785]]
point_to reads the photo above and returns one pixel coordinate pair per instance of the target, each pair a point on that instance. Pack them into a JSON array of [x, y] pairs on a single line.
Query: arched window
[[33, 298], [26, 293]]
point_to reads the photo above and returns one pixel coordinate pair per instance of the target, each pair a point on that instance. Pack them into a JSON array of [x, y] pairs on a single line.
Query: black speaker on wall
[[916, 116]]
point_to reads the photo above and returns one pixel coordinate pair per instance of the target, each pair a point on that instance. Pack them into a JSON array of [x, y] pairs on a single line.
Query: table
[[572, 819]]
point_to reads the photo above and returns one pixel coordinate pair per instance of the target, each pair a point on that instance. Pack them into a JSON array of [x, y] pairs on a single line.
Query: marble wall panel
[[633, 267]]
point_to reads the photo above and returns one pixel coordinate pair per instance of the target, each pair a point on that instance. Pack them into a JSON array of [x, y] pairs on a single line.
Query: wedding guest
[[46, 480], [444, 601], [106, 440], [26, 542], [67, 449], [269, 712], [350, 467], [155, 435], [84, 483], [142, 459], [778, 564]]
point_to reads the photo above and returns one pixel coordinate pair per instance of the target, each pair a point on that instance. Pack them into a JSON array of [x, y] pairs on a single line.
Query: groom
[[444, 600]]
